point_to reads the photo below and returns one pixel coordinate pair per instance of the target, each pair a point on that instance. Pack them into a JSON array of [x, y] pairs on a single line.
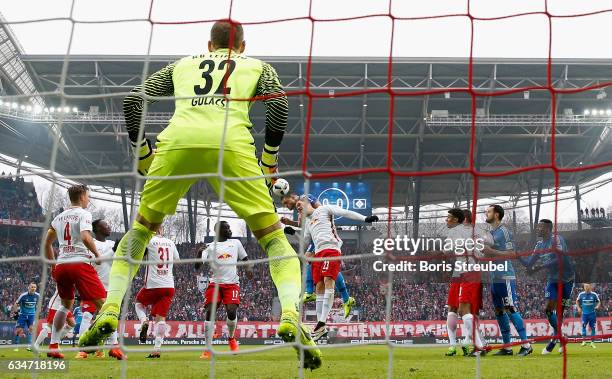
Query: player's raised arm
[[158, 84], [49, 239], [337, 211], [277, 113]]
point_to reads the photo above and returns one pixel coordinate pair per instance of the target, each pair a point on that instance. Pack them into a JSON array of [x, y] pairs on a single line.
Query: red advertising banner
[[535, 328]]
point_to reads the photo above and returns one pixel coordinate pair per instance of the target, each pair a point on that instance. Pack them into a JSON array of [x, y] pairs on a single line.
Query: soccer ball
[[280, 187]]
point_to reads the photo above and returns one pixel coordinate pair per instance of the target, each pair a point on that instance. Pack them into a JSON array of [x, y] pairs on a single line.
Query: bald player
[[213, 92]]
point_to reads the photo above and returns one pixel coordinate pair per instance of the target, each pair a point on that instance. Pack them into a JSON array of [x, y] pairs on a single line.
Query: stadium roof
[[429, 133]]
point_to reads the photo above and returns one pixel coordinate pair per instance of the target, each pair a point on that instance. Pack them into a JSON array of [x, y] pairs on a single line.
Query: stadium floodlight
[[1, 102], [594, 112], [46, 110], [14, 105], [52, 109], [447, 95], [601, 112], [22, 107], [586, 112], [526, 95], [75, 109], [66, 109], [37, 108], [608, 112], [28, 108], [601, 94]]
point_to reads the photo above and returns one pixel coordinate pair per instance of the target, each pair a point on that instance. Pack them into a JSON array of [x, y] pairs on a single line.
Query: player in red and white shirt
[[105, 246], [224, 284], [73, 268], [54, 304], [321, 229], [158, 289], [465, 293]]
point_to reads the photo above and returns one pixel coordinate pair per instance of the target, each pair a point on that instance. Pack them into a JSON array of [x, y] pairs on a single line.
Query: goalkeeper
[[211, 123]]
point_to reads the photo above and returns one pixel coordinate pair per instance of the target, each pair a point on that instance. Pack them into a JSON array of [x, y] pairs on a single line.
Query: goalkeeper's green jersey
[[213, 93]]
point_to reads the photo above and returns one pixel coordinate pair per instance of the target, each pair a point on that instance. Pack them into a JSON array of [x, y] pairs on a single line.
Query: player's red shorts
[[228, 294], [158, 298], [322, 269], [466, 289], [81, 276], [52, 314]]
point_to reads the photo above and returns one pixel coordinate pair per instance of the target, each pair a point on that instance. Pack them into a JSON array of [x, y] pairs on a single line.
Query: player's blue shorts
[[25, 321], [503, 293], [589, 319], [77, 327], [551, 291]]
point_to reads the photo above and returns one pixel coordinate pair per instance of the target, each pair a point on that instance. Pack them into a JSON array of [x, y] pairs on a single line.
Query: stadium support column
[[416, 207], [530, 210], [538, 199], [126, 220], [191, 219], [578, 217]]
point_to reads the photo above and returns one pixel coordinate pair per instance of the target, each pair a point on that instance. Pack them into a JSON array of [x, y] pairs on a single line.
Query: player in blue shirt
[[588, 303], [548, 249], [26, 307], [78, 316], [503, 283], [289, 201]]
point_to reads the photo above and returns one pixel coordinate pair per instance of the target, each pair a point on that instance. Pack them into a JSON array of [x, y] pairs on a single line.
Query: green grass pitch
[[351, 362]]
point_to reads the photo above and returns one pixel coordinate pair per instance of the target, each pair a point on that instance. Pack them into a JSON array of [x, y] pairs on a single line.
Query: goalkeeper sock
[[285, 273], [85, 322], [160, 331], [29, 338], [451, 327], [519, 325], [552, 320], [133, 244], [16, 339], [309, 281], [341, 287], [328, 300], [504, 326], [593, 330], [231, 326], [319, 305], [141, 312], [44, 332]]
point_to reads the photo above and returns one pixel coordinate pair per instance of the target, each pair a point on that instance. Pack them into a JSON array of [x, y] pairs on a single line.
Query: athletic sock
[[133, 244], [319, 305], [160, 331], [58, 324], [451, 327], [504, 326], [519, 325], [341, 287], [552, 320], [328, 300], [468, 321], [231, 326], [44, 332], [285, 273], [309, 281], [141, 312]]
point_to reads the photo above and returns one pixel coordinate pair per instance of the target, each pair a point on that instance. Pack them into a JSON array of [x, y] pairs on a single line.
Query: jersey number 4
[[207, 66]]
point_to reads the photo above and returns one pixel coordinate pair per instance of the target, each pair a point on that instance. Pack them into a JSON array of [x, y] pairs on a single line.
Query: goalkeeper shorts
[[249, 199]]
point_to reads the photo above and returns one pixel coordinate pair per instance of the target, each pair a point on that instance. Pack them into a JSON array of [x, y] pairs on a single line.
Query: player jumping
[[503, 283], [289, 201], [73, 270], [587, 304], [25, 308], [319, 226], [208, 128], [559, 272], [224, 254], [158, 289]]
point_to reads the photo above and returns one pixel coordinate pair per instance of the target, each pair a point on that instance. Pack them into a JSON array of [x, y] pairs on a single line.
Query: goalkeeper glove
[[371, 219], [145, 154], [269, 163]]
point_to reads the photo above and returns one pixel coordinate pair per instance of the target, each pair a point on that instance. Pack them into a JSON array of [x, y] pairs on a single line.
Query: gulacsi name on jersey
[[209, 100]]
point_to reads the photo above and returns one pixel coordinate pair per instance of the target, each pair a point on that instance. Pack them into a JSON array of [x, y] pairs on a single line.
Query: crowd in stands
[[18, 200], [412, 299]]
